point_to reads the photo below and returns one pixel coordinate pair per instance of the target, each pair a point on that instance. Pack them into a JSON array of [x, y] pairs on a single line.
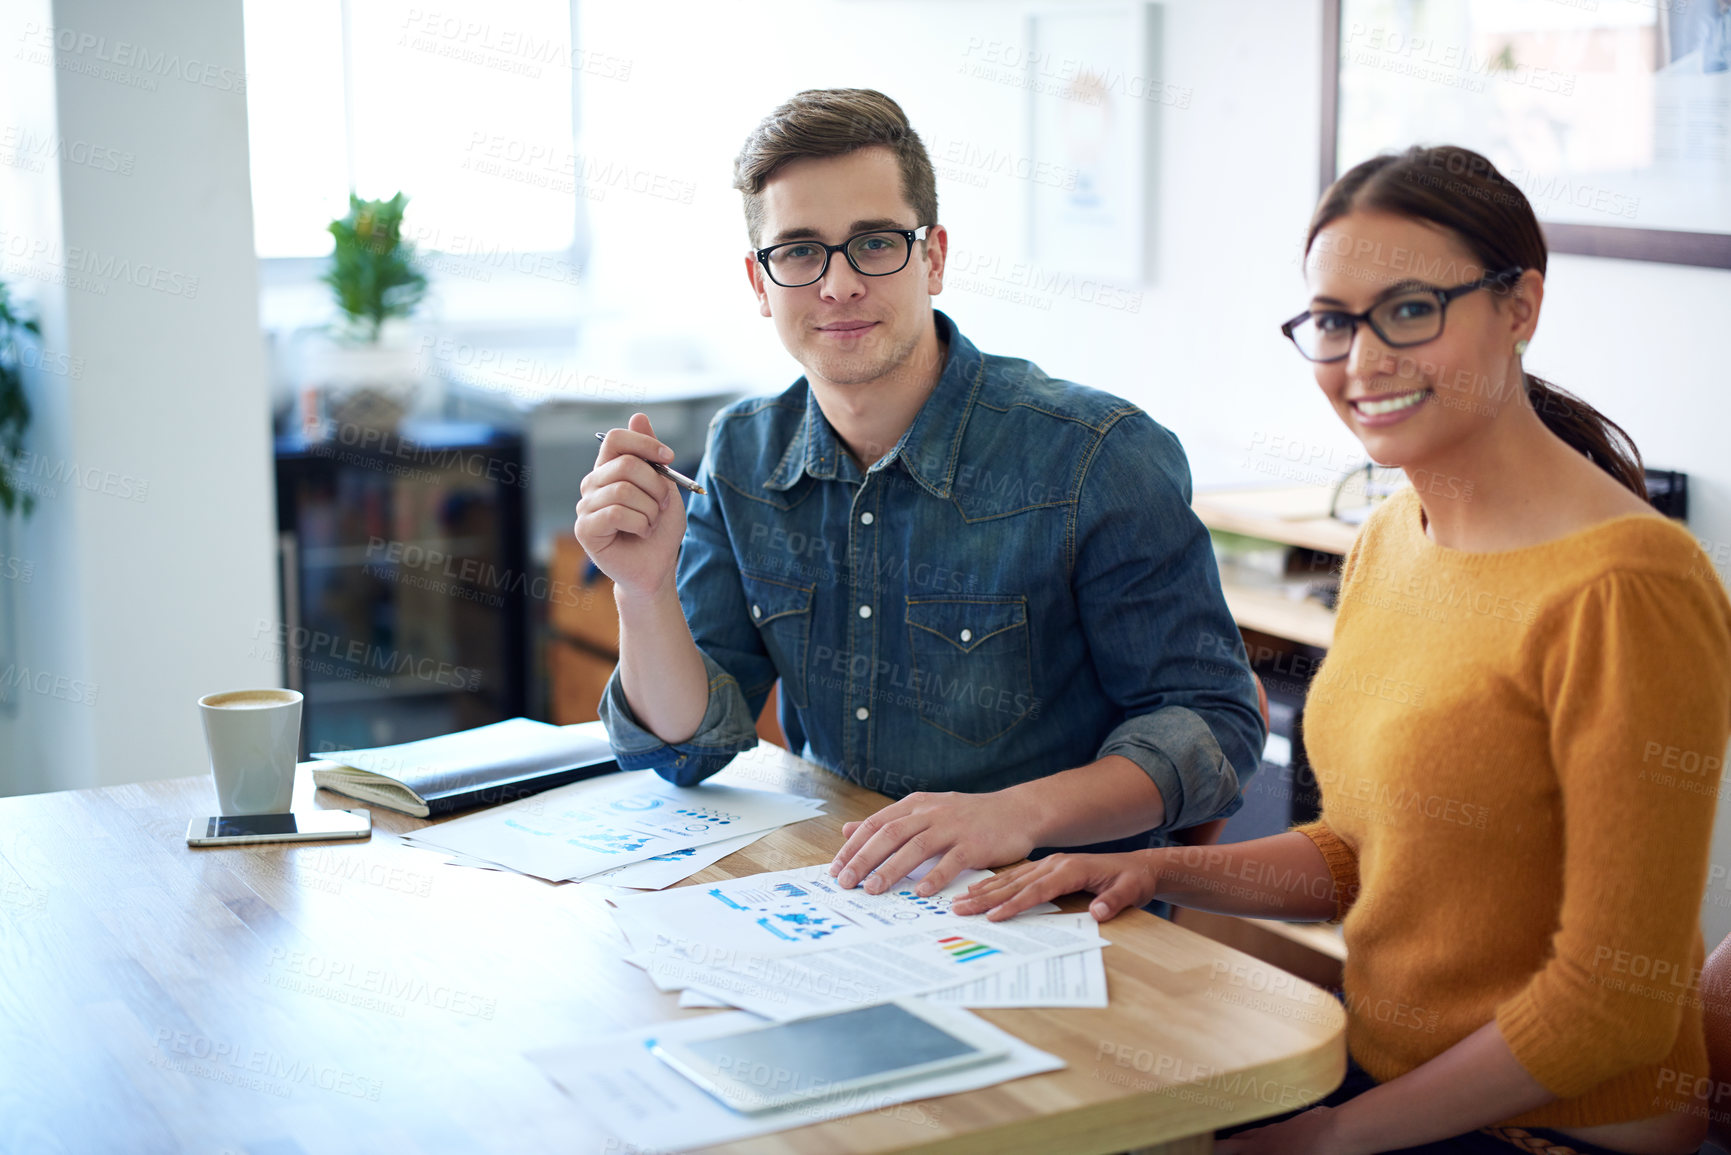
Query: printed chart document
[[676, 865], [780, 985], [725, 925], [583, 829], [656, 873], [1064, 980], [783, 911], [651, 1107]]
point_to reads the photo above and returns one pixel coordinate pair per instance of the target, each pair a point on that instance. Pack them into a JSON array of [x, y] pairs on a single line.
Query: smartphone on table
[[301, 826], [779, 1064]]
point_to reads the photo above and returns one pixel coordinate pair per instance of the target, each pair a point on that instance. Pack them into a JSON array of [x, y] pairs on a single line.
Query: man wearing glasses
[[982, 590]]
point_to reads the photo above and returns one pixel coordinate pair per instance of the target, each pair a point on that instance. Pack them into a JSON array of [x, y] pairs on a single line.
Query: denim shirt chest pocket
[[781, 611], [972, 667]]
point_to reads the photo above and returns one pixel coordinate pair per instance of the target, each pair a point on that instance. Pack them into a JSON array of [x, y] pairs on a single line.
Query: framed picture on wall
[[1613, 118], [1094, 95]]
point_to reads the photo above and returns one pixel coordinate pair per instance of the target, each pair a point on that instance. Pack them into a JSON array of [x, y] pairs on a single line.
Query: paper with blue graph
[[588, 827], [782, 911], [792, 942], [676, 865]]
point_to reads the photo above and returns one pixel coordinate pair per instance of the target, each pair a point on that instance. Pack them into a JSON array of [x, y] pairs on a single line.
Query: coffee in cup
[[254, 737]]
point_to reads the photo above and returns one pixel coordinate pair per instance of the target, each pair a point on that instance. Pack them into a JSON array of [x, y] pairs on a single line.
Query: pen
[[672, 475]]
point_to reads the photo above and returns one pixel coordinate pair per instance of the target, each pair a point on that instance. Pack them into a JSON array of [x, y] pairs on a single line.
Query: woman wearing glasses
[[1517, 734]]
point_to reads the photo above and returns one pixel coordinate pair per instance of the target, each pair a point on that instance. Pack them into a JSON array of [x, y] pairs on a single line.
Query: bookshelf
[[404, 581], [1288, 516]]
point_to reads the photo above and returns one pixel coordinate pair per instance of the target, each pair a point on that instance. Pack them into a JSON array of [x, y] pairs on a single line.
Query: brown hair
[[834, 122], [1463, 192]]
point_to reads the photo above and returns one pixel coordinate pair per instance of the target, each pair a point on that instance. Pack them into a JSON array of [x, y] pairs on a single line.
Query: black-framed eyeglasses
[[878, 253], [1408, 316]]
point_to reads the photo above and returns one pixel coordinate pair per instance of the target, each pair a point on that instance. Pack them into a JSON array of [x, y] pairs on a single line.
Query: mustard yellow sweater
[[1519, 756]]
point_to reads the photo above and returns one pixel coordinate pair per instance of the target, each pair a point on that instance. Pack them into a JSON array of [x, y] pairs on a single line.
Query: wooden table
[[368, 997]]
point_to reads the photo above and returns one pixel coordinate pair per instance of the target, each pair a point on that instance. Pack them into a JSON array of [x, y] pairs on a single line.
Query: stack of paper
[[677, 865], [793, 942], [651, 1108], [656, 832]]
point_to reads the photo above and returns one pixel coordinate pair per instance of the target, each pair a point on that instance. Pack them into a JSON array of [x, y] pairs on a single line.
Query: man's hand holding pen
[[631, 519], [667, 471]]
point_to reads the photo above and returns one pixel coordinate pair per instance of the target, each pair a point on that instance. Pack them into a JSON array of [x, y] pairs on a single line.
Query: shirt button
[[757, 611], [865, 611], [862, 713], [967, 635], [865, 518]]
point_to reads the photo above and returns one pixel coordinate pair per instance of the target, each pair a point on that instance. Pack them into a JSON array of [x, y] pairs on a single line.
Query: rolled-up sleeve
[[727, 728], [1177, 750], [1163, 643]]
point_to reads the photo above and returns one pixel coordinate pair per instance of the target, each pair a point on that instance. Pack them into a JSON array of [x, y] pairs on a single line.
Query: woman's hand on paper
[[1119, 881], [961, 831]]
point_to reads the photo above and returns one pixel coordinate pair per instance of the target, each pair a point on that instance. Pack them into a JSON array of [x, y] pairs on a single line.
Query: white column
[[153, 543]]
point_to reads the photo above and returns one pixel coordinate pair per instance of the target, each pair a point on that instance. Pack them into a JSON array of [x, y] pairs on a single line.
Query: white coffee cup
[[254, 736]]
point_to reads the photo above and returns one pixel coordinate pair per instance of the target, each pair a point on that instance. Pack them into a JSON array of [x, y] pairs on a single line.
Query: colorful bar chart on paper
[[966, 949]]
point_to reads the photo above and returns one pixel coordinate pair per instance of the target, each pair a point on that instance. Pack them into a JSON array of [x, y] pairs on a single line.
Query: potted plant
[[368, 379], [14, 406], [373, 269]]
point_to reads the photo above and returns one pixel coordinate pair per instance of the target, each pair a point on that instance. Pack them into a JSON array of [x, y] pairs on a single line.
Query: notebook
[[478, 767]]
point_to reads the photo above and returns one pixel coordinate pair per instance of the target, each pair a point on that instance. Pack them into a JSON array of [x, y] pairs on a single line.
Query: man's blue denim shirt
[[1017, 588]]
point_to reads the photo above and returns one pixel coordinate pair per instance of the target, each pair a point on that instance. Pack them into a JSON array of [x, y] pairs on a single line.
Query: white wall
[[1647, 343], [1237, 182], [152, 546], [1235, 189]]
